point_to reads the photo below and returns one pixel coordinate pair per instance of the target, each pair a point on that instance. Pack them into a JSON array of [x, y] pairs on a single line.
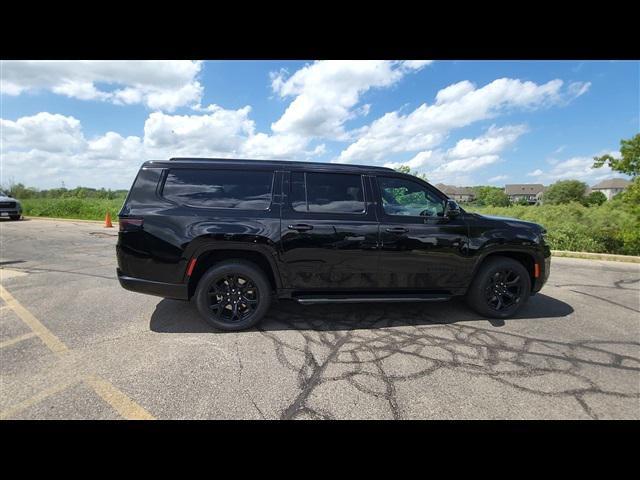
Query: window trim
[[289, 204], [205, 207]]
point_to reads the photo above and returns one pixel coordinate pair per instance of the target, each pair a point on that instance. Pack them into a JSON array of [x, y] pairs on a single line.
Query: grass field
[[81, 208]]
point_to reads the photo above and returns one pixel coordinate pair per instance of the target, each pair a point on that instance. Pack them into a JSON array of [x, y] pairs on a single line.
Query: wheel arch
[[525, 258], [210, 255]]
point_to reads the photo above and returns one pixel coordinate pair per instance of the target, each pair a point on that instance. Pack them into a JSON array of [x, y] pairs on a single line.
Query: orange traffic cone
[[107, 221]]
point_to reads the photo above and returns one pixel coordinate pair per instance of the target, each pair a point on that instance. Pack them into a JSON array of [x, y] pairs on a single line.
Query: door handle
[[397, 230], [301, 227]]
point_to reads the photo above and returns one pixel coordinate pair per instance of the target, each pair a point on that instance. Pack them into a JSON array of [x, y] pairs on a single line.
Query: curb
[[596, 256], [101, 222]]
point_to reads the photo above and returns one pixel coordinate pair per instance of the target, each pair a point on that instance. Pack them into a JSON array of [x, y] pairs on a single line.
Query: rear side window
[[247, 190], [327, 192]]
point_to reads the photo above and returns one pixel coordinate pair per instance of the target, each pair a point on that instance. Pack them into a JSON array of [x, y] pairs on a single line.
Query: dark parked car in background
[[10, 207], [231, 235]]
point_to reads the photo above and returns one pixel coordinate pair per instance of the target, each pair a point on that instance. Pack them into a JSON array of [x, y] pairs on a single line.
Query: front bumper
[[177, 291], [10, 212], [545, 264]]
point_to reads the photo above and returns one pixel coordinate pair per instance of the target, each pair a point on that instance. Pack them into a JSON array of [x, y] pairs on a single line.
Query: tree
[[407, 169], [629, 161], [595, 198], [565, 191], [631, 195], [492, 196]]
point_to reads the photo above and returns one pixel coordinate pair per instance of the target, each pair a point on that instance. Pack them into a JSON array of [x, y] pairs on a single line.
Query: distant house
[[611, 187], [531, 192], [459, 194]]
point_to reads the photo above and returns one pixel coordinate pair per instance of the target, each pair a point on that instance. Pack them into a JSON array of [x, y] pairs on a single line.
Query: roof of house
[[453, 190], [611, 183], [523, 188]]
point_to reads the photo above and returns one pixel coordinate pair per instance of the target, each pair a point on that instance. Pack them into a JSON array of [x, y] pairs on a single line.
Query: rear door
[[420, 249], [329, 232]]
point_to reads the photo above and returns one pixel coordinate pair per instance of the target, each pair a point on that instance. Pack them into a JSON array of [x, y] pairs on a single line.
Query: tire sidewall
[[476, 298], [241, 268]]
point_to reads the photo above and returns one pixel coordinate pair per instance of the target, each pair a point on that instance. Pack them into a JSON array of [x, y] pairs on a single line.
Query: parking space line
[[117, 399], [49, 339], [37, 398], [121, 403], [17, 339]]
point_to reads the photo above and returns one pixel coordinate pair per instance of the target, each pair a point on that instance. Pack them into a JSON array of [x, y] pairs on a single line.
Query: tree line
[[19, 191]]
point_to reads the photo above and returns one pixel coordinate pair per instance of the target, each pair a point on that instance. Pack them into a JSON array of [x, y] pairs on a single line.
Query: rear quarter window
[[239, 189]]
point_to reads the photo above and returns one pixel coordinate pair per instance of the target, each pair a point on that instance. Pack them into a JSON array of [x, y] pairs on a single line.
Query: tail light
[[130, 224]]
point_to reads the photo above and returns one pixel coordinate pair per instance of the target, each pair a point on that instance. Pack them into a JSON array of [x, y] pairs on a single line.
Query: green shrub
[[613, 227], [72, 207]]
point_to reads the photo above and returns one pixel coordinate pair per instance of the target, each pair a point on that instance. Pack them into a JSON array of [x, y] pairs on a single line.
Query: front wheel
[[15, 217], [500, 288], [233, 295]]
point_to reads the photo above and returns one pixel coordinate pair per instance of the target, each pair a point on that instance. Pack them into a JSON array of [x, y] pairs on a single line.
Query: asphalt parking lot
[[74, 344]]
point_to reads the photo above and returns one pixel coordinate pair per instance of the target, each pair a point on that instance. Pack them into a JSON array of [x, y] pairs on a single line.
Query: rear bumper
[[167, 290]]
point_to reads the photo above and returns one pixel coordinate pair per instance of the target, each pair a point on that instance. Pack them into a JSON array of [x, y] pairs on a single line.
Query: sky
[[93, 123]]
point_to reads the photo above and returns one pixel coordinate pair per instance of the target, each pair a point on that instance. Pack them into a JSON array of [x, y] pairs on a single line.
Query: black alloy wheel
[[233, 295], [500, 288], [504, 289], [233, 298]]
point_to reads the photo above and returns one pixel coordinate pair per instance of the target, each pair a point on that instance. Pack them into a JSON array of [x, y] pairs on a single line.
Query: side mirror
[[451, 209]]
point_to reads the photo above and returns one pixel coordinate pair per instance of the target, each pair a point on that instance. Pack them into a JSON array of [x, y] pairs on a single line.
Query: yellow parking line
[[17, 339], [37, 398], [49, 339], [122, 404], [118, 400]]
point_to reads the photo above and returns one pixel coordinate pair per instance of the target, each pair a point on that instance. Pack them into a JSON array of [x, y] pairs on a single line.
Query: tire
[[14, 217], [226, 293], [500, 288]]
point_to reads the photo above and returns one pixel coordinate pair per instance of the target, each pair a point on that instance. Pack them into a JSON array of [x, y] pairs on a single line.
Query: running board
[[314, 299]]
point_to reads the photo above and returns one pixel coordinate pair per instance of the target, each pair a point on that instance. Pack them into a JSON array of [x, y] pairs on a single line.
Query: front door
[[329, 232], [421, 249]]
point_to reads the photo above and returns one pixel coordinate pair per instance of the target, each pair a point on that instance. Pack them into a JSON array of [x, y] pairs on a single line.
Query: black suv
[[233, 234]]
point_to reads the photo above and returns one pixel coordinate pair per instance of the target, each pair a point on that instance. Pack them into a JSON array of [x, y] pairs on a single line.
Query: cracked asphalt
[[572, 353]]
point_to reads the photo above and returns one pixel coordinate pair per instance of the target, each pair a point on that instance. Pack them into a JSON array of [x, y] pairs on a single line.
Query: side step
[[372, 298]]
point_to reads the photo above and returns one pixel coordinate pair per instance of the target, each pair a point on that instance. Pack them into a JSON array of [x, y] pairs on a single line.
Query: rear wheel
[[233, 295], [500, 288]]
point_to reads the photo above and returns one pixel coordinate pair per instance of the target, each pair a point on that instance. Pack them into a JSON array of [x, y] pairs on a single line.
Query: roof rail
[[277, 162]]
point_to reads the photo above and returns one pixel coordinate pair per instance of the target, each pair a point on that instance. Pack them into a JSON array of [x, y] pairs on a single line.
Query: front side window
[[327, 192], [247, 190], [407, 198]]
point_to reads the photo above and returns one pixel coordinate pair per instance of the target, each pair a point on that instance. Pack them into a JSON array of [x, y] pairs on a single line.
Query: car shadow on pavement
[[174, 316]]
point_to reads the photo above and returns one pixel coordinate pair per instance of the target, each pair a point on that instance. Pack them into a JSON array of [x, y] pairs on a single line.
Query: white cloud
[[219, 131], [44, 149], [576, 168], [456, 106], [416, 162], [326, 92], [158, 84], [495, 140], [498, 178], [560, 149], [43, 131], [468, 154]]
